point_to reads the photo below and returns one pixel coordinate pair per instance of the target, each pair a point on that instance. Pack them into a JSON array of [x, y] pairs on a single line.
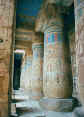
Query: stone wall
[[79, 33], [6, 23], [71, 36]]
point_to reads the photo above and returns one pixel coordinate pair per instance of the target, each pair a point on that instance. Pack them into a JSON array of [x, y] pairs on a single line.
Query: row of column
[[53, 39], [51, 67], [32, 68], [55, 67]]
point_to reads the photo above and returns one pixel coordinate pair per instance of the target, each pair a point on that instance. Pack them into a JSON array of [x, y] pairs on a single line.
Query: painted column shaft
[[79, 32], [37, 70], [28, 73], [57, 79]]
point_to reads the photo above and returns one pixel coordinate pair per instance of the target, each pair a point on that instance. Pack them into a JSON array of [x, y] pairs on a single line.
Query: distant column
[[23, 70], [28, 72], [37, 67]]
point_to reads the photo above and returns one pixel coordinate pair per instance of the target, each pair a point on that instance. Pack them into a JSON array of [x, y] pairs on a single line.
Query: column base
[[58, 105], [36, 95]]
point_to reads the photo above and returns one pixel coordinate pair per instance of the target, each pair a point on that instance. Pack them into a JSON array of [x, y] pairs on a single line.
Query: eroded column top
[[49, 16]]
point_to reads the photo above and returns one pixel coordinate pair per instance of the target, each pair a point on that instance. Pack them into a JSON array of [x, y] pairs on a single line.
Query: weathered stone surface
[[37, 37], [71, 36], [57, 77], [22, 83], [6, 22], [79, 32], [26, 72], [43, 19], [24, 34], [37, 67], [78, 112], [58, 105], [3, 109]]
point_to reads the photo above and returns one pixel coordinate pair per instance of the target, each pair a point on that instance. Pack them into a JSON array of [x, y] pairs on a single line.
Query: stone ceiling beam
[[22, 44], [23, 38], [65, 3], [23, 34]]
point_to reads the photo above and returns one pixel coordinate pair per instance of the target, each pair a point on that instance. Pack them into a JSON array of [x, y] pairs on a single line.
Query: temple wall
[[6, 23], [79, 32], [72, 44]]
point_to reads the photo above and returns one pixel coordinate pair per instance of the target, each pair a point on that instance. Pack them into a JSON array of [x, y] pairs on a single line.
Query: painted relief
[[56, 67], [53, 37]]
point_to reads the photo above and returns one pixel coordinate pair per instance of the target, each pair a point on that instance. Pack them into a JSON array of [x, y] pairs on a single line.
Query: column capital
[[50, 15], [51, 9]]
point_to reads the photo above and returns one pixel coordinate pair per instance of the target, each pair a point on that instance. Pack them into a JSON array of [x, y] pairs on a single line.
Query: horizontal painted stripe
[[53, 37]]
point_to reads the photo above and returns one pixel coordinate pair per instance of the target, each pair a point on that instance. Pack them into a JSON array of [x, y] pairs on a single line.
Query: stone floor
[[25, 107]]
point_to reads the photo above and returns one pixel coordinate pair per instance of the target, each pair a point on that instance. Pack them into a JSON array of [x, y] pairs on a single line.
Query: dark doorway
[[17, 70]]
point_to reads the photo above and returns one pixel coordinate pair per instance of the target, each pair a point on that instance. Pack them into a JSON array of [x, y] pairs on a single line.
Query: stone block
[[4, 86], [3, 109], [6, 13], [58, 105]]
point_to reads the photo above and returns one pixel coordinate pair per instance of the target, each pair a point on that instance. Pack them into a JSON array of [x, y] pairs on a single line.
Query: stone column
[[57, 69], [37, 66], [57, 75], [28, 72], [6, 23], [79, 35]]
